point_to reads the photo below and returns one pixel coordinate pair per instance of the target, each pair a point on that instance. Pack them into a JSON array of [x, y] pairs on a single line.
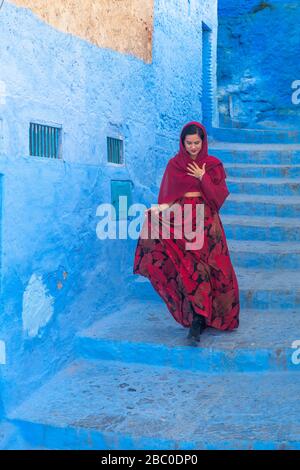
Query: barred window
[[44, 141], [115, 150]]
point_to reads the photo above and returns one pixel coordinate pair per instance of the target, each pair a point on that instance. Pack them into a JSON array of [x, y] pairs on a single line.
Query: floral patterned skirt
[[201, 279]]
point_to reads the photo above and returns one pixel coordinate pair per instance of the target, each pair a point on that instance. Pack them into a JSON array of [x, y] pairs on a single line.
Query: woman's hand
[[157, 209], [154, 209], [196, 170]]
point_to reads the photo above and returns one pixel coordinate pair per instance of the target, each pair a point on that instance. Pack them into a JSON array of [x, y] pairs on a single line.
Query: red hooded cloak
[[176, 181]]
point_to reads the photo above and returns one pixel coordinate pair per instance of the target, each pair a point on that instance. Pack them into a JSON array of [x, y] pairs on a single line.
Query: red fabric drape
[[201, 281], [214, 188]]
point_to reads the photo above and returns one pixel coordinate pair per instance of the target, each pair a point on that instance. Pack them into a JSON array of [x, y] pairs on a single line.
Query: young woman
[[198, 285]]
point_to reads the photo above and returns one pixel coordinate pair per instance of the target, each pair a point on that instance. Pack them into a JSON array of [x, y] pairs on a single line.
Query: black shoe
[[198, 325]]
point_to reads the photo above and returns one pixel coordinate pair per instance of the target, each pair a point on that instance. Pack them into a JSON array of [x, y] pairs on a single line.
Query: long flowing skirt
[[201, 279]]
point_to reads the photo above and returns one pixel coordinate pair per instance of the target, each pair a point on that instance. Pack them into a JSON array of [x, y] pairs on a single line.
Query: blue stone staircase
[[257, 136], [137, 383]]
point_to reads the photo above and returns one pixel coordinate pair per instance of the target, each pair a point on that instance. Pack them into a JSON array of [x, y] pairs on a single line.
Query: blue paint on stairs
[[137, 383]]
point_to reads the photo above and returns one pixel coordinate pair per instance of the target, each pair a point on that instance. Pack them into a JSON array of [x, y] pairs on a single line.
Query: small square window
[[44, 141], [115, 150]]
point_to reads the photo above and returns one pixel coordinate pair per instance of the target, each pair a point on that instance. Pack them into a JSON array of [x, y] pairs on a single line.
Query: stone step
[[256, 154], [239, 227], [117, 406], [261, 205], [253, 170], [255, 135], [10, 438], [268, 186], [269, 290], [147, 333], [265, 254], [259, 289]]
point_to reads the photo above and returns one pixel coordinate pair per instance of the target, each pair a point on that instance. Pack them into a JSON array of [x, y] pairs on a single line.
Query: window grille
[[44, 141], [114, 150]]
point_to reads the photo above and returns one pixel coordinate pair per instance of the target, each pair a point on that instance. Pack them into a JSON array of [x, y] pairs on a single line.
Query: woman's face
[[193, 144]]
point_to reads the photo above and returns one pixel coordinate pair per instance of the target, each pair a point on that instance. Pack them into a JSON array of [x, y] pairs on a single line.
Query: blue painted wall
[[56, 275], [258, 60]]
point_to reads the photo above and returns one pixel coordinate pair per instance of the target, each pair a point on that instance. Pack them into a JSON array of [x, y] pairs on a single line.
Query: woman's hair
[[192, 130]]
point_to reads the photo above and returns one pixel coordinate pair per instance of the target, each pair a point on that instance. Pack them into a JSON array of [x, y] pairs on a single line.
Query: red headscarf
[[176, 182]]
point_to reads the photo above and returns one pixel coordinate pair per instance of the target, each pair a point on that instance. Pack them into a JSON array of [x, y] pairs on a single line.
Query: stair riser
[[289, 189], [269, 261], [275, 234], [199, 359], [261, 209], [269, 299], [255, 136], [250, 298], [49, 437], [289, 172], [258, 157]]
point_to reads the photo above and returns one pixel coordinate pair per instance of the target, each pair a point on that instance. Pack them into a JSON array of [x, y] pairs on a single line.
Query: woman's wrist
[[202, 176], [162, 207]]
